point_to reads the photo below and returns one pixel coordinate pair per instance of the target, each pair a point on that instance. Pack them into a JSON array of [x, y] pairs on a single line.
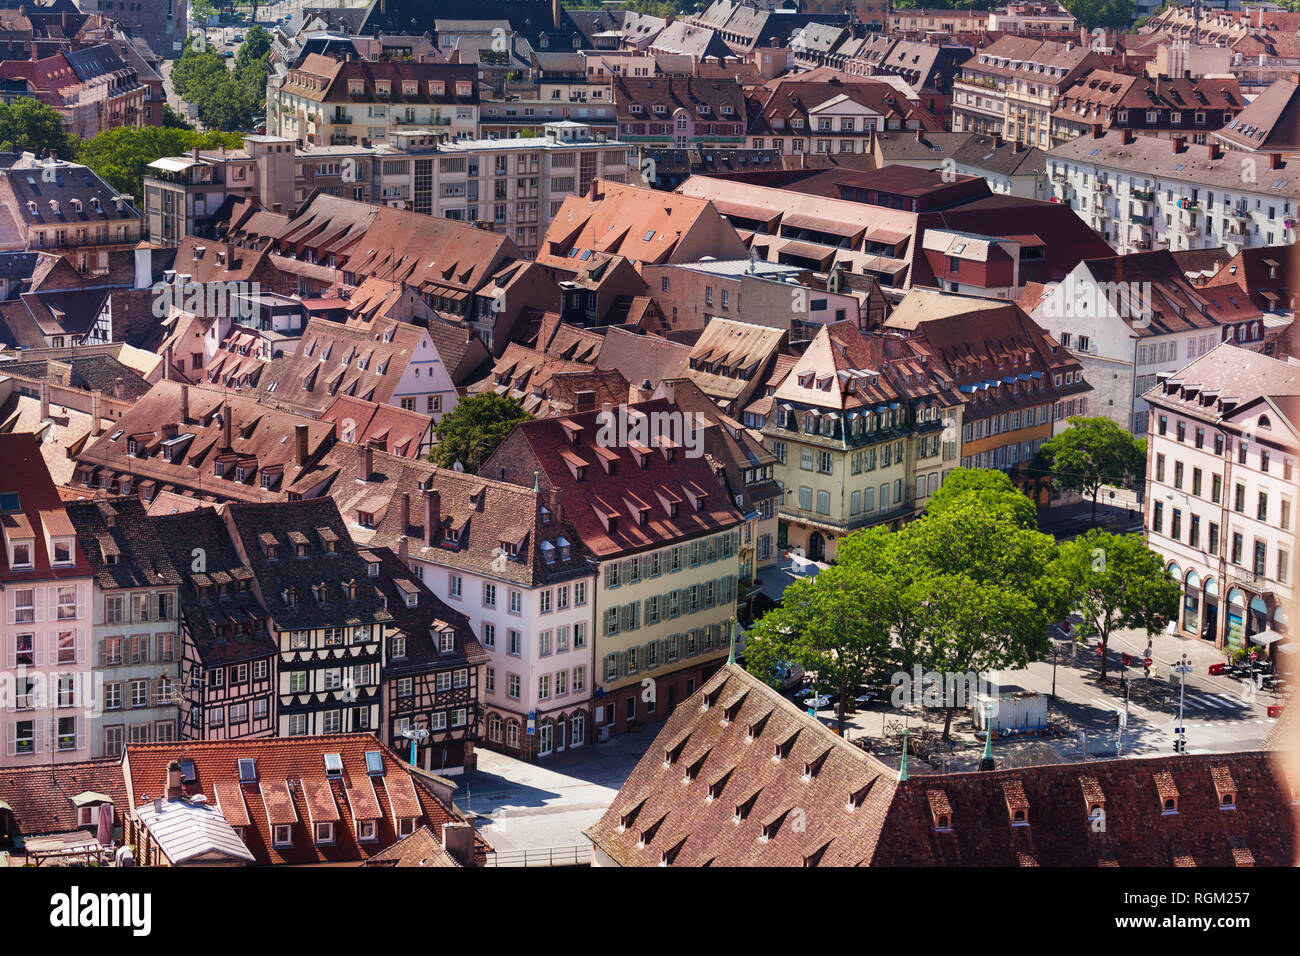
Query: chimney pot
[[406, 512], [365, 462], [300, 433], [432, 517]]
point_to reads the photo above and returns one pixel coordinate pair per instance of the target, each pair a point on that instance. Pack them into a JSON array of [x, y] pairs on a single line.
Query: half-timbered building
[[226, 686], [433, 668], [326, 614]]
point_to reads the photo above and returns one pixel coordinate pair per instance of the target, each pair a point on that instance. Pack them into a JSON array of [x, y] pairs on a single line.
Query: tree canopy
[[28, 124], [121, 155], [1091, 453], [225, 99], [992, 488], [1118, 582], [472, 430]]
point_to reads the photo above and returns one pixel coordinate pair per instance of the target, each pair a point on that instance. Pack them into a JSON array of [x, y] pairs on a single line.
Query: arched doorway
[[1210, 629], [1257, 618], [545, 738], [1191, 602], [495, 728], [577, 730], [1235, 636], [816, 547]]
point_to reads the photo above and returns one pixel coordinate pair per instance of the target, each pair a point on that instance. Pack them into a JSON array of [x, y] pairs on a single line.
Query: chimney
[[300, 438], [406, 512], [920, 135], [45, 399], [227, 421], [185, 404], [432, 516], [1215, 151], [119, 389], [1275, 161], [167, 365], [173, 781], [997, 140], [458, 837], [1127, 137], [365, 462], [403, 548], [1179, 142], [555, 505], [1097, 131], [96, 415]]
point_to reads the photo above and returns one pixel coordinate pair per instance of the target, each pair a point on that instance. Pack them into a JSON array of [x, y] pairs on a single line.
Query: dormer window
[[372, 569], [63, 552], [21, 556], [1226, 788], [290, 597], [447, 642]]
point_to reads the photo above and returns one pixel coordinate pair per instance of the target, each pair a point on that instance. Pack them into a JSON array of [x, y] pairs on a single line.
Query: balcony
[[342, 119], [1184, 228], [1245, 576], [1138, 220], [1233, 235], [1143, 195]]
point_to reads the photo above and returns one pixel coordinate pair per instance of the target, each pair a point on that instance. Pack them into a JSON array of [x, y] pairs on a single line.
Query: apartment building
[[1142, 192], [1129, 318], [662, 535], [1012, 85], [93, 89], [507, 557], [1221, 467], [46, 588], [831, 117], [680, 111], [162, 24], [325, 101], [64, 206], [1016, 381], [1194, 107], [512, 186], [858, 431], [135, 630]]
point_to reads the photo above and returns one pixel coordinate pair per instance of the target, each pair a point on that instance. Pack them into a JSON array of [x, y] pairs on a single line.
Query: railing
[[545, 856], [1143, 195]]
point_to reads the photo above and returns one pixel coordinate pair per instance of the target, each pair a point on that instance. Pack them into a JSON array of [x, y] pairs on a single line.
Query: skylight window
[[247, 770], [374, 763], [9, 502], [648, 236], [333, 766]]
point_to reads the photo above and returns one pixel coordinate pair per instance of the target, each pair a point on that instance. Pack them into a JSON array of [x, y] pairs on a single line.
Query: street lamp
[[1180, 732], [414, 735]]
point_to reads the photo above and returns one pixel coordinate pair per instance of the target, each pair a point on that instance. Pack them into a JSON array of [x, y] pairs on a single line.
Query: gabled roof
[[41, 797], [1270, 123]]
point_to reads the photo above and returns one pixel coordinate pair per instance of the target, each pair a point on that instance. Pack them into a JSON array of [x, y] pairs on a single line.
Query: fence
[[544, 856]]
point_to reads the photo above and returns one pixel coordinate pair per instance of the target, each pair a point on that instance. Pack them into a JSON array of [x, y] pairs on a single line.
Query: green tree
[[978, 591], [28, 124], [992, 488], [1119, 583], [121, 155], [474, 428], [1108, 14], [174, 120], [838, 624], [1091, 453]]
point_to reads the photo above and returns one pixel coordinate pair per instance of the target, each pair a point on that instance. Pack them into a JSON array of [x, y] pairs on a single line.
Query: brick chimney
[[1179, 143], [406, 512], [1215, 151], [458, 837], [174, 781], [556, 506], [227, 421], [432, 517], [365, 462], [1275, 161], [45, 399], [1127, 137], [1097, 131], [185, 404], [96, 412], [300, 433]]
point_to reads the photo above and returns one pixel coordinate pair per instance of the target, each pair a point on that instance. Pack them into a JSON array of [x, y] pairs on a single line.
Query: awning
[[90, 796], [1267, 637]]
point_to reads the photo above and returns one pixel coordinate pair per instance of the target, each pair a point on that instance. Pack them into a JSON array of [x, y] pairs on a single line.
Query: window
[[489, 595], [512, 686], [283, 835], [24, 605], [456, 587]]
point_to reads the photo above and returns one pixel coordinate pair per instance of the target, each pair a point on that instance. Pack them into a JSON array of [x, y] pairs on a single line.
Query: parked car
[[789, 674]]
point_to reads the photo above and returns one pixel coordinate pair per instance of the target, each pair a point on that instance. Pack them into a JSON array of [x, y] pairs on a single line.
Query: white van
[[789, 674]]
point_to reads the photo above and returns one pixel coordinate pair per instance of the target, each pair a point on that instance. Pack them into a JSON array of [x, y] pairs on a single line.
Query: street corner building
[[739, 776]]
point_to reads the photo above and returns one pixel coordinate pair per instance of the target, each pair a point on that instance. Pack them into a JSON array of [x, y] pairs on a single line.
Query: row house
[[1220, 503], [135, 630], [1129, 318], [93, 89], [1012, 86], [325, 101], [861, 430], [506, 557], [1143, 192], [927, 68], [326, 615], [1016, 382], [227, 678], [662, 535], [731, 359], [1193, 107], [46, 588], [433, 672], [513, 185], [1256, 45]]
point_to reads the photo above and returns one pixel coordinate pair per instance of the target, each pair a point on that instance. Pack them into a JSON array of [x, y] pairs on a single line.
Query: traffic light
[[1180, 746]]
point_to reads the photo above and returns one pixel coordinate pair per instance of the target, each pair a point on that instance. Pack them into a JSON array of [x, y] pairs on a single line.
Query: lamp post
[[1180, 732], [414, 735]]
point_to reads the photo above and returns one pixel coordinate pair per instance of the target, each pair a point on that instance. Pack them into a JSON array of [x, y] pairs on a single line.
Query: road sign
[[1148, 662], [1254, 655]]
